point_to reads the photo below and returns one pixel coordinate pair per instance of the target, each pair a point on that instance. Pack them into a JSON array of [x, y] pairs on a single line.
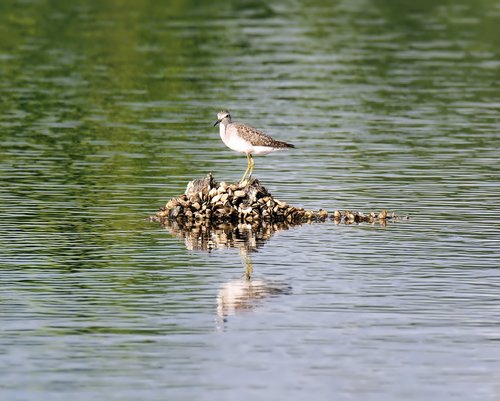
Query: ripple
[[107, 112]]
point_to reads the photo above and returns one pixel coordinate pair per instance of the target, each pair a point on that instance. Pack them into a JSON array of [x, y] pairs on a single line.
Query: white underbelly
[[262, 150], [240, 145]]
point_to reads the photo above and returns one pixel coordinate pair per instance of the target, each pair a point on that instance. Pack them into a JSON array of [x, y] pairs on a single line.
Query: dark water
[[105, 113]]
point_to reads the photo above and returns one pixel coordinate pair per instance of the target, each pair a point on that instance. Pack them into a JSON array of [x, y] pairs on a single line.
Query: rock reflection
[[246, 293], [200, 236]]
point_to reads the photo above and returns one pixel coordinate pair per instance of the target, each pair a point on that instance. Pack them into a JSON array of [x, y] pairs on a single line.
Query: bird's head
[[221, 115]]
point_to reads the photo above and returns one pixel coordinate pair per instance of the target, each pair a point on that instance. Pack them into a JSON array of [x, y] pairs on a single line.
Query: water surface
[[106, 113]]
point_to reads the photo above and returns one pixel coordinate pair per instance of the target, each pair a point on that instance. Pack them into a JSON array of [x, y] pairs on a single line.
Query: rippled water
[[106, 113]]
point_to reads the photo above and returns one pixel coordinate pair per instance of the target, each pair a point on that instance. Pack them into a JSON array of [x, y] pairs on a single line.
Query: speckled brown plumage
[[256, 137]]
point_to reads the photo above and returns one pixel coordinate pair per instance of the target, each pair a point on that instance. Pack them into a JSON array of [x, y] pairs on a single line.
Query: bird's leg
[[252, 163], [247, 170]]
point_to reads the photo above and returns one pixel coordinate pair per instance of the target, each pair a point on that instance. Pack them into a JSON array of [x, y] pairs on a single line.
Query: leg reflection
[[247, 293]]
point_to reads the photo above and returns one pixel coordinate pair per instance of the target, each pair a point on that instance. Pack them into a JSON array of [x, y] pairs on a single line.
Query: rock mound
[[208, 201]]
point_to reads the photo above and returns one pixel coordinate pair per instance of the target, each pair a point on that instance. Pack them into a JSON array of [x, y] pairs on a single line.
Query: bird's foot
[[246, 181]]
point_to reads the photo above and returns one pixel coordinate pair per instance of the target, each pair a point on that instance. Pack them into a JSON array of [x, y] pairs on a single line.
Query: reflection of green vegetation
[[69, 69], [97, 95], [76, 70]]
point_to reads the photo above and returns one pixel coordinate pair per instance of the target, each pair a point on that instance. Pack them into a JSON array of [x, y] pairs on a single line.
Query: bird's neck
[[222, 127], [222, 130]]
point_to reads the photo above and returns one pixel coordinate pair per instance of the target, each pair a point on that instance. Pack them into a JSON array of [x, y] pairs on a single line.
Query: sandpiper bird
[[246, 139]]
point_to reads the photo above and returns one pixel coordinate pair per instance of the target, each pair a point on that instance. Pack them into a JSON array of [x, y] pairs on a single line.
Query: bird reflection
[[246, 293]]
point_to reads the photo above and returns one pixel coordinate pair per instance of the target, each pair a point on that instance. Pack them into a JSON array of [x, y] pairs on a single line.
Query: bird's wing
[[256, 137]]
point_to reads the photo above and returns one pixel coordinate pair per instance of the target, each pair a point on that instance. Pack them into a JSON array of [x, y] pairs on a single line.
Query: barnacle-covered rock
[[209, 202]]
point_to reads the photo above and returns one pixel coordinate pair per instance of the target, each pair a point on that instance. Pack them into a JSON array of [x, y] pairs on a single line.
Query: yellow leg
[[248, 168], [248, 269], [252, 163]]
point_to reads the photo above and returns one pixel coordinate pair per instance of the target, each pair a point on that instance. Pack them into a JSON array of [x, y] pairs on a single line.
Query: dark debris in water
[[208, 202]]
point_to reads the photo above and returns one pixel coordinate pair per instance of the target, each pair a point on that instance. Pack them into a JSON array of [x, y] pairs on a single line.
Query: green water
[[106, 112]]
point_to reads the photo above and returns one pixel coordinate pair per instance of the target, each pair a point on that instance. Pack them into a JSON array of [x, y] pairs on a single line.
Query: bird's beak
[[216, 123]]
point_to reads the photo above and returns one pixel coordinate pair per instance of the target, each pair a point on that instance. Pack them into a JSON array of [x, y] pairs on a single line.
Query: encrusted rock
[[239, 194], [207, 202], [212, 192], [216, 198]]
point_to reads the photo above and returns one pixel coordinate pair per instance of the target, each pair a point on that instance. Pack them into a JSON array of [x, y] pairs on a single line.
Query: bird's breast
[[233, 141]]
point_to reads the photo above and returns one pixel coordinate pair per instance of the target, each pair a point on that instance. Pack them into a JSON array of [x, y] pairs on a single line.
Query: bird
[[245, 139]]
